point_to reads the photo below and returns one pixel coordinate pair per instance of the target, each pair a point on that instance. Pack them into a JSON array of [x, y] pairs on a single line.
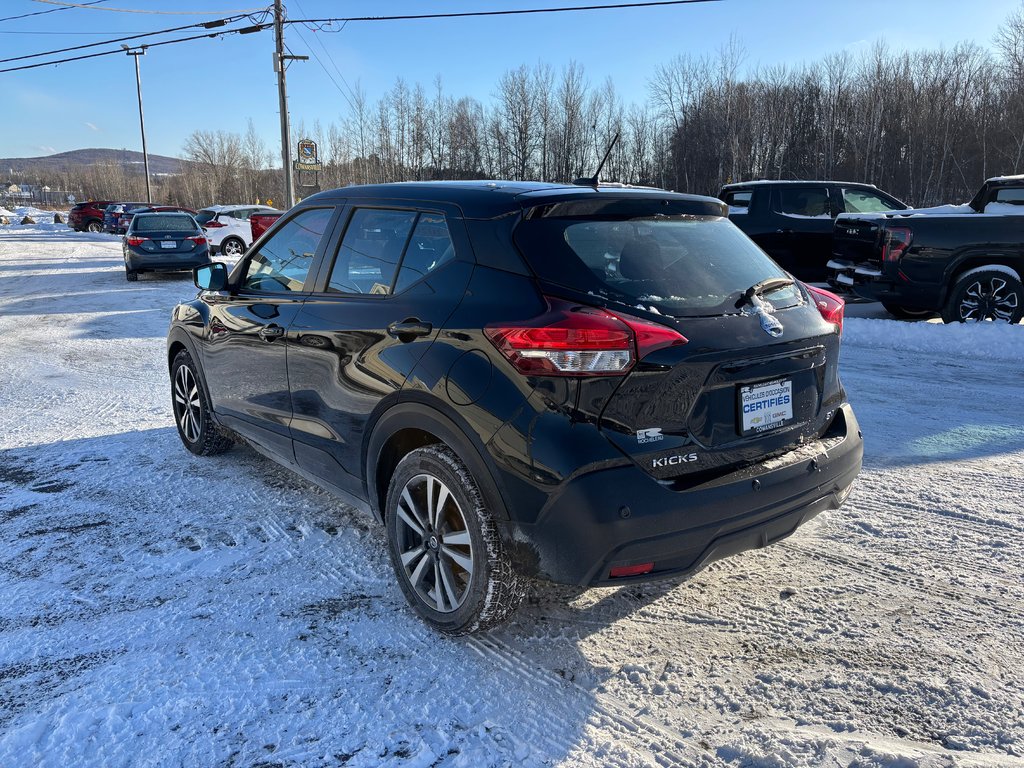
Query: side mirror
[[211, 277]]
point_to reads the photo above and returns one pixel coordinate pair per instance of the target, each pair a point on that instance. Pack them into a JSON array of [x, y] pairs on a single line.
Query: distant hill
[[158, 164]]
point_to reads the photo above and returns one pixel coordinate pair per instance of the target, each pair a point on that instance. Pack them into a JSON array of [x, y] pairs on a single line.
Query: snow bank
[[993, 341]]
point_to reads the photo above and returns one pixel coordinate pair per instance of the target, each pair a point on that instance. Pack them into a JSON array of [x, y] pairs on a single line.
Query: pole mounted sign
[[308, 162], [308, 159]]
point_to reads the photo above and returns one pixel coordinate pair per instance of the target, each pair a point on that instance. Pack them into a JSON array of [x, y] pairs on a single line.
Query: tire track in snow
[[666, 747], [949, 596]]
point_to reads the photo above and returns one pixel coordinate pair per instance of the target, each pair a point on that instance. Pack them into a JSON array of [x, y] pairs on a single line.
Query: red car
[[88, 217], [261, 222]]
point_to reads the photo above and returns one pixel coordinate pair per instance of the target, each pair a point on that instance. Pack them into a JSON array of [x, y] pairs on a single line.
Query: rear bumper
[[869, 283], [619, 517], [159, 263]]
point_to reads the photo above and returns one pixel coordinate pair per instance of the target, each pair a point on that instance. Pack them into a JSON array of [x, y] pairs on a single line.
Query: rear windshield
[[204, 216], [679, 265], [164, 222]]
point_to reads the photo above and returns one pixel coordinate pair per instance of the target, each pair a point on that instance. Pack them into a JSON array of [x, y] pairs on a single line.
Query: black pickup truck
[[792, 220], [963, 262]]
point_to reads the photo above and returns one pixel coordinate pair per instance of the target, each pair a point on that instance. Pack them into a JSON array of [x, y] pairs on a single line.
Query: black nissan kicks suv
[[586, 385]]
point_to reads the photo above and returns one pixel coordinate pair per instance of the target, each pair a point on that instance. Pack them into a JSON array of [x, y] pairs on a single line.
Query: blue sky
[[220, 84]]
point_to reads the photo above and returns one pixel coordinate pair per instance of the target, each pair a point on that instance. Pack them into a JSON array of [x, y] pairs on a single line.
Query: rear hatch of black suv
[[747, 366]]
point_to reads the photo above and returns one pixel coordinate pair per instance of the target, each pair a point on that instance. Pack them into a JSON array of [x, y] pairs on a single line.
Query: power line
[[241, 30], [51, 10], [511, 12], [138, 10], [327, 72], [207, 24], [261, 25], [48, 32]]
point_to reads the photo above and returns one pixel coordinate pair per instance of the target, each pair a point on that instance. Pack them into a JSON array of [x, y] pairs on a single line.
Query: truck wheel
[[444, 545], [986, 293], [905, 313]]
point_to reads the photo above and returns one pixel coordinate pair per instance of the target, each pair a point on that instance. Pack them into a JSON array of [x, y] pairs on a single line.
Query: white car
[[227, 227]]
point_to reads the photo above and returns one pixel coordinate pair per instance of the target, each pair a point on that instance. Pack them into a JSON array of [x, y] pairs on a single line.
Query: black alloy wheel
[[191, 407], [444, 545], [987, 294]]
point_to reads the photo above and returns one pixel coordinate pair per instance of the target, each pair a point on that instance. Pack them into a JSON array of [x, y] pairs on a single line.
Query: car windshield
[[679, 265], [204, 216], [164, 222]]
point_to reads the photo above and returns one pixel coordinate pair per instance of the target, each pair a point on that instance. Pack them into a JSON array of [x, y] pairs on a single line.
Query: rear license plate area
[[766, 406], [168, 244]]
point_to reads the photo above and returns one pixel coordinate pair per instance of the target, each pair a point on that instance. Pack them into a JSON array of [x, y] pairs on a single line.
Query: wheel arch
[[409, 425], [178, 340], [973, 259]]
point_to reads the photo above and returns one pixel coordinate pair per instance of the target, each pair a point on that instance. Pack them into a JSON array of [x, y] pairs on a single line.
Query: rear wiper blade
[[764, 286]]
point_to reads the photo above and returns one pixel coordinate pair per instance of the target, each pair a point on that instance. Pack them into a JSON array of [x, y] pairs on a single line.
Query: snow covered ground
[[158, 609]]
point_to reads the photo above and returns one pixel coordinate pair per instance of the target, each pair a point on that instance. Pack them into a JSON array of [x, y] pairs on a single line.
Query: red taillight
[[212, 224], [137, 240], [199, 240], [630, 570], [575, 340], [897, 240], [830, 305]]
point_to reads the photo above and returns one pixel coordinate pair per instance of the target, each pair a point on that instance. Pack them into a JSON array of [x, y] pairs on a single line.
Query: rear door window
[[429, 248], [803, 202], [679, 265], [282, 262], [370, 251]]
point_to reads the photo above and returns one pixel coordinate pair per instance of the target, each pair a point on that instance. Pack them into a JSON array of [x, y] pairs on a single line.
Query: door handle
[[270, 332], [784, 231], [409, 329]]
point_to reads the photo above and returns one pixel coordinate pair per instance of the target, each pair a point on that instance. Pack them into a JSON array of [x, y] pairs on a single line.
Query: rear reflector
[[576, 340], [829, 305], [630, 570]]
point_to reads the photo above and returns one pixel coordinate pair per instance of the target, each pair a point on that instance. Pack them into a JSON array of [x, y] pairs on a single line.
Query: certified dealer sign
[[765, 406]]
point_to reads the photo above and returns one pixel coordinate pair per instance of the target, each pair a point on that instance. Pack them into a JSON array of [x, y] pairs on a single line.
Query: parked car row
[[228, 227], [960, 262]]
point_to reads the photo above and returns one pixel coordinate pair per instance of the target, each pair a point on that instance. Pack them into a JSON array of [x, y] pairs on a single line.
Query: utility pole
[[142, 122], [282, 94]]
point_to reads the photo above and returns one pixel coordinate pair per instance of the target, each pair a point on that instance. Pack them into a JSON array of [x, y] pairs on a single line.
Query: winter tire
[[94, 226], [232, 247], [130, 275], [444, 545], [905, 313], [986, 293], [192, 409]]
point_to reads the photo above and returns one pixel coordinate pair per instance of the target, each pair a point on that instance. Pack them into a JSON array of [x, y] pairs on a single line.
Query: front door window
[[282, 262]]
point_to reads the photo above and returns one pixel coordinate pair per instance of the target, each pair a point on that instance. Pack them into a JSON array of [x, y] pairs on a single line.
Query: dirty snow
[[158, 609]]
